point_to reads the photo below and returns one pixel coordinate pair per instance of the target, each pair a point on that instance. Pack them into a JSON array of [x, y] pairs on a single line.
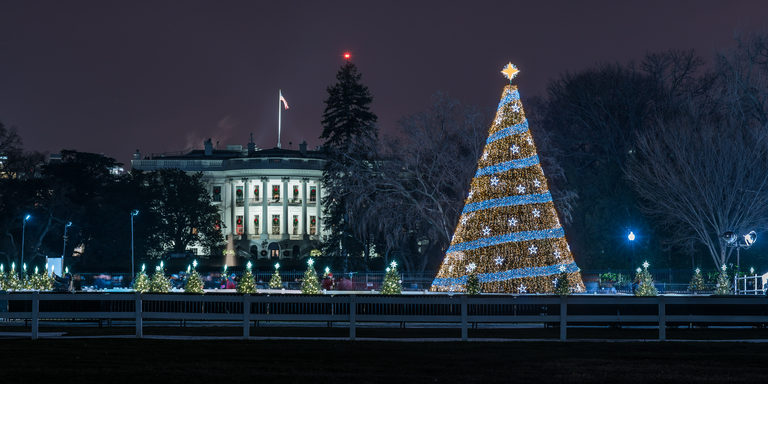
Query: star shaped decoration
[[521, 188], [698, 271], [723, 267], [557, 253], [512, 222], [514, 149], [510, 71], [561, 268], [529, 140], [515, 108], [471, 267], [469, 195], [639, 269], [499, 260], [522, 289], [251, 265], [486, 231], [309, 261], [485, 155], [497, 121], [536, 213], [537, 183], [554, 282], [533, 249], [450, 269], [569, 247], [494, 181], [464, 219], [194, 263], [646, 265], [393, 265]]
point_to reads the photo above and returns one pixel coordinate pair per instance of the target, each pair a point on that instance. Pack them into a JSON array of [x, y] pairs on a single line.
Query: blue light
[[509, 131], [510, 165], [509, 97], [507, 238], [631, 236], [508, 201], [510, 274]]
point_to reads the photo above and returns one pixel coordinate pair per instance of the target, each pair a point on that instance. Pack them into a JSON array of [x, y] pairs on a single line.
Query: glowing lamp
[[347, 56], [631, 236]]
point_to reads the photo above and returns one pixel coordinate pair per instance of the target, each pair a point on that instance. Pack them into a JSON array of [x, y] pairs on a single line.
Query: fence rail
[[353, 308]]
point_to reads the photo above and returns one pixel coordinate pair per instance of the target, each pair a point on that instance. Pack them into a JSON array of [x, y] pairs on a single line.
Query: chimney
[[251, 146], [303, 148], [137, 155], [208, 147]]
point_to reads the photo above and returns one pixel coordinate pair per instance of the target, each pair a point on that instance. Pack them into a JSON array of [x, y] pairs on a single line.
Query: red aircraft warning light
[[347, 56]]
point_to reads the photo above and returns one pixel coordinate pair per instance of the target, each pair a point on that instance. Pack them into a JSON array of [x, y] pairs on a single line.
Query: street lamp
[[23, 231], [732, 240], [631, 238], [133, 213], [64, 249]]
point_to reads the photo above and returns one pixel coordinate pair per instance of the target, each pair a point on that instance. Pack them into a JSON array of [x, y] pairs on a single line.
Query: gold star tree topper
[[510, 71]]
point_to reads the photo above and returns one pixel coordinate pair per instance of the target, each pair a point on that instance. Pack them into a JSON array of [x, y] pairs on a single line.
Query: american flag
[[283, 99]]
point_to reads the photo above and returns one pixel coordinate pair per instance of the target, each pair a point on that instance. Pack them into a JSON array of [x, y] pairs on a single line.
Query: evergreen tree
[[645, 282], [347, 117], [473, 284], [723, 286], [11, 280], [310, 284], [41, 281], [276, 282], [697, 282], [194, 281], [562, 286], [247, 283], [509, 231], [141, 283], [392, 283], [159, 283]]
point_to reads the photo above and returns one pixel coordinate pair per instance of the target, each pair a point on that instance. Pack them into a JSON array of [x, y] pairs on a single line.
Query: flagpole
[[279, 116]]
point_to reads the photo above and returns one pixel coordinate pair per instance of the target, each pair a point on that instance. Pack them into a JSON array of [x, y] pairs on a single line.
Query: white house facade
[[269, 200]]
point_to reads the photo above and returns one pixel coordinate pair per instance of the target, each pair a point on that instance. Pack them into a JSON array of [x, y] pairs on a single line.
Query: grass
[[105, 360]]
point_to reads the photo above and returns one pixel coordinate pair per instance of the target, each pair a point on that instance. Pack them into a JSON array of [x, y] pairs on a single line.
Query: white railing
[[354, 308], [175, 163]]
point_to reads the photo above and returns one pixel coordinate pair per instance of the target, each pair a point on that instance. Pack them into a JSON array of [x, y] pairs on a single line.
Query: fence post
[[464, 318], [138, 310], [662, 318], [352, 312], [246, 316], [563, 316], [35, 313]]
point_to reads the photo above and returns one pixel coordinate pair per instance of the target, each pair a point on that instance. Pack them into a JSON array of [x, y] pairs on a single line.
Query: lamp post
[[23, 231], [631, 238], [133, 213], [64, 249], [732, 240]]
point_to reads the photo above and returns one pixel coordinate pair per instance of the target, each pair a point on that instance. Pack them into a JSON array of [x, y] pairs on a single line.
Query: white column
[[233, 207], [304, 198], [246, 204], [317, 208], [264, 208], [285, 208]]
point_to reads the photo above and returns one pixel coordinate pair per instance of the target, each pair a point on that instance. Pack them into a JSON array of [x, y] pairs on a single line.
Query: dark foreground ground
[[417, 359]]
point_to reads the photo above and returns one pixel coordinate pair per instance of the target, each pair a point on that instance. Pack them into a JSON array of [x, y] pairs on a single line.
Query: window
[[296, 194], [256, 225], [256, 195], [239, 225], [275, 224], [239, 194], [276, 193], [313, 194], [217, 194], [312, 225], [295, 225]]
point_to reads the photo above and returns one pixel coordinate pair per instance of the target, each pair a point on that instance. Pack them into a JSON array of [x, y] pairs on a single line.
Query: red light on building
[[347, 56]]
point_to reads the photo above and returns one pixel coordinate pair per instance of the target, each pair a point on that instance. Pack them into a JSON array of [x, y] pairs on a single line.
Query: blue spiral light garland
[[510, 97], [509, 131], [510, 274], [507, 238], [508, 201], [510, 165]]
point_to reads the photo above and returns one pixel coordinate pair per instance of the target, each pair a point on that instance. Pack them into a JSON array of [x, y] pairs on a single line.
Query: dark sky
[[159, 76]]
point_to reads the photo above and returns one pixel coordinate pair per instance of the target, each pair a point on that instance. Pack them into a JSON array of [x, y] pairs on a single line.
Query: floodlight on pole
[[133, 213], [732, 240], [64, 249], [631, 238], [23, 232]]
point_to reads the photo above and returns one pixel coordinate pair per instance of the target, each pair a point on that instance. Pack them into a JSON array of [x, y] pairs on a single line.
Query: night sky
[[113, 77]]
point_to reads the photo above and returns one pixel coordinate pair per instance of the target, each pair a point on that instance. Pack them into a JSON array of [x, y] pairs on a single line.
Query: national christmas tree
[[247, 284], [194, 281], [645, 285], [276, 282], [509, 232], [697, 282], [310, 285], [392, 283], [723, 286]]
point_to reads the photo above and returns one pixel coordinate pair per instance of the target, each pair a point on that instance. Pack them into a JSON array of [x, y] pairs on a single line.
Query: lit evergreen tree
[[562, 286], [159, 283], [141, 283], [310, 284], [247, 283], [11, 280], [723, 286], [41, 281], [392, 283], [276, 282], [509, 231], [194, 281], [347, 117], [645, 282], [697, 282], [473, 283]]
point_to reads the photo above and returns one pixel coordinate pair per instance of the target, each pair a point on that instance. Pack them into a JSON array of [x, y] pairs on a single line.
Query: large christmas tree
[[509, 232]]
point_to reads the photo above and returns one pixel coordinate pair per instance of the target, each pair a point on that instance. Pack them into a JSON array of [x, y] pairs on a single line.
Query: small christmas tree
[[194, 281], [159, 283], [645, 282], [697, 282], [11, 280], [392, 283], [247, 284], [41, 281], [276, 282], [310, 284], [327, 273], [141, 283], [561, 284], [473, 283], [723, 286]]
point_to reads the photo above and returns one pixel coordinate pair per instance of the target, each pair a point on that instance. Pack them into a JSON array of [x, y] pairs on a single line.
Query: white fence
[[572, 310]]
